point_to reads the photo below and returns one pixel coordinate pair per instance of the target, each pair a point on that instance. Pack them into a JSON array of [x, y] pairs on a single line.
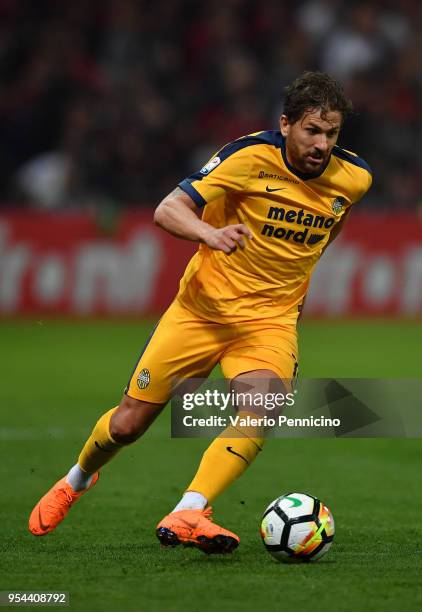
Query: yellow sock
[[226, 459], [100, 447]]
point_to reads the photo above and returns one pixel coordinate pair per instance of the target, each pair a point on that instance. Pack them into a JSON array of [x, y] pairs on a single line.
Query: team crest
[[144, 378], [213, 163], [338, 205]]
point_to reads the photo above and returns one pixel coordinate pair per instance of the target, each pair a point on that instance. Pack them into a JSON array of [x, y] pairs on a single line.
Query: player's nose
[[321, 143]]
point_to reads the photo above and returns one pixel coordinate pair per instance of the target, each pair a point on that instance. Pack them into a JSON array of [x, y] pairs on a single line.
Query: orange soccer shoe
[[54, 506], [195, 528]]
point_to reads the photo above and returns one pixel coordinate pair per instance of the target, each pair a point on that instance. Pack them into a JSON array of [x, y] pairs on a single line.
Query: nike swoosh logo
[[270, 190], [296, 502], [229, 448], [43, 527], [101, 448]]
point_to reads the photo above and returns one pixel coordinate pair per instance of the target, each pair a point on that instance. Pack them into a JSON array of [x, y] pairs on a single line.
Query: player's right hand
[[228, 238]]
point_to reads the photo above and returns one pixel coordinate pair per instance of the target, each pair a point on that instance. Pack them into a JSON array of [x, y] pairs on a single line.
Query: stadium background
[[104, 107]]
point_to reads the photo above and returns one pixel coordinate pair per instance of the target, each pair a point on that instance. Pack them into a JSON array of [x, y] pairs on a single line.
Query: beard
[[308, 161]]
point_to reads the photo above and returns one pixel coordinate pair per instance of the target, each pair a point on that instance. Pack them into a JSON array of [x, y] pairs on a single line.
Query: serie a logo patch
[[213, 163], [144, 378]]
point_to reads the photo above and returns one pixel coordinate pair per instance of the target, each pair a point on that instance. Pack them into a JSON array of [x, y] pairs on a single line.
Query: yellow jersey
[[290, 214]]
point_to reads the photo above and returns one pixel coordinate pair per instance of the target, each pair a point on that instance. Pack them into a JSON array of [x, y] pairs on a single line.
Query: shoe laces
[[62, 495], [207, 513]]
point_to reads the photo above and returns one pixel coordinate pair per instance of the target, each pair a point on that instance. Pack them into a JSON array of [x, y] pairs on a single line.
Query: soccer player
[[272, 201]]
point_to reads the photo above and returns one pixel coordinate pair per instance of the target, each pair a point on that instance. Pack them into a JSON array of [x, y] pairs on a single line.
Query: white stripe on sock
[[78, 479], [191, 500]]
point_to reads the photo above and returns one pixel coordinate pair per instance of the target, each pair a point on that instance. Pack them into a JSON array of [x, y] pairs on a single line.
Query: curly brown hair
[[315, 90]]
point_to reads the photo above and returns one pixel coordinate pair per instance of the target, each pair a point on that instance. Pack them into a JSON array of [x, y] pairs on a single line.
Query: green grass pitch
[[57, 378]]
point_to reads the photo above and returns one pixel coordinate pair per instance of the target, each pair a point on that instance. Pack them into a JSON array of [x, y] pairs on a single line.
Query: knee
[[124, 423], [124, 432]]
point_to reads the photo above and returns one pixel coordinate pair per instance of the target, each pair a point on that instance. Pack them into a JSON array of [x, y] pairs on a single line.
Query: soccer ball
[[297, 527]]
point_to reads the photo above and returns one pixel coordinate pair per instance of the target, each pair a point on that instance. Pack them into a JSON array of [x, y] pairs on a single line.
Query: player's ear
[[284, 125]]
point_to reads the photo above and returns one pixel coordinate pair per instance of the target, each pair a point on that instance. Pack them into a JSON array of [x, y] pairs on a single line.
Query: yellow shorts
[[183, 345]]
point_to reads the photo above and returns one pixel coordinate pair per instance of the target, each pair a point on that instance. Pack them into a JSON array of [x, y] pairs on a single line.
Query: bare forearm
[[177, 218], [176, 214]]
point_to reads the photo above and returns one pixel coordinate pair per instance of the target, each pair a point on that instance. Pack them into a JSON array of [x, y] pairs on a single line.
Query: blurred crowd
[[113, 102]]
